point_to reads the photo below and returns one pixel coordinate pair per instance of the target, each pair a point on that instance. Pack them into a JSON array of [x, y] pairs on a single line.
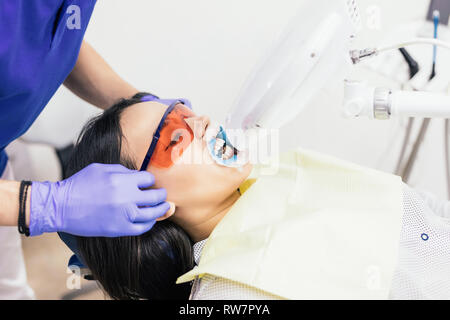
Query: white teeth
[[218, 145], [219, 150], [229, 152]]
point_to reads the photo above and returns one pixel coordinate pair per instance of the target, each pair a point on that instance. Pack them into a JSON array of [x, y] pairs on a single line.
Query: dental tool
[[360, 55], [381, 103]]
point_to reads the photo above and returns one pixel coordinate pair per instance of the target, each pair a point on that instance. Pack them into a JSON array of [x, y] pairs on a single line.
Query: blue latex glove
[[100, 200]]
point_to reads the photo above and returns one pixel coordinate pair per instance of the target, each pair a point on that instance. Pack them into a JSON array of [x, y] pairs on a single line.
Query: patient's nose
[[198, 125]]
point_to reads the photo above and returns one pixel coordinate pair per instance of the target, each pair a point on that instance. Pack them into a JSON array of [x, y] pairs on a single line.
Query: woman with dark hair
[[147, 266], [41, 49], [334, 203]]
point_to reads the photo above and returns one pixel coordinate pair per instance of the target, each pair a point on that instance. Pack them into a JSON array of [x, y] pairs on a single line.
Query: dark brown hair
[[142, 267]]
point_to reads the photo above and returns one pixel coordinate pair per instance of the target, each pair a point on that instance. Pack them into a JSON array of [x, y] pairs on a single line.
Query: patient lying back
[[147, 266]]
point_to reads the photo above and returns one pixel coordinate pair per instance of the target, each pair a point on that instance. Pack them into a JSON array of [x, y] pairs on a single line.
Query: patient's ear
[[169, 212]]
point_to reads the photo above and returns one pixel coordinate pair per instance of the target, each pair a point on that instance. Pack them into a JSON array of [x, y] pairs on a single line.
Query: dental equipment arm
[[382, 103], [358, 55], [314, 52]]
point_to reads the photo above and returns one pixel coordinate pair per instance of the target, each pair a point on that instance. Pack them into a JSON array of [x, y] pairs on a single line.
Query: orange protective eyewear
[[171, 138]]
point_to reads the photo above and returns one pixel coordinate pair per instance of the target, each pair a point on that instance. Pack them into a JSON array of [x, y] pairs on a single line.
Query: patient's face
[[194, 179]]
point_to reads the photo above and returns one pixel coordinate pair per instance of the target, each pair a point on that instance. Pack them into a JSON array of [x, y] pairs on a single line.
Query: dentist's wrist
[[42, 208], [9, 199]]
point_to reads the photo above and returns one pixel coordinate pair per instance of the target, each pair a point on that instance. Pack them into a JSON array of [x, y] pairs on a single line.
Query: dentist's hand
[[100, 200]]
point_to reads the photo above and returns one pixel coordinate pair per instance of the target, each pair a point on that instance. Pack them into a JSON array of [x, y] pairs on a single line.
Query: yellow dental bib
[[320, 228]]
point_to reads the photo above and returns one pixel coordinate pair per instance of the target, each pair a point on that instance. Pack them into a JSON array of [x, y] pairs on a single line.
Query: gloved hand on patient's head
[[105, 200], [100, 200]]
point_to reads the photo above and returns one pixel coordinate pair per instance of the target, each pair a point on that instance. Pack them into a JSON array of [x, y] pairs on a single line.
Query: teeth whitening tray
[[315, 51], [214, 132]]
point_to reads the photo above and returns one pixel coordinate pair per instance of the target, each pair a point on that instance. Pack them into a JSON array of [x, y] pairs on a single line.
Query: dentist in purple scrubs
[[41, 48]]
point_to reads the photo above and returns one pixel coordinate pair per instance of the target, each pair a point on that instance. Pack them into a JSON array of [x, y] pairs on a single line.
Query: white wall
[[204, 49]]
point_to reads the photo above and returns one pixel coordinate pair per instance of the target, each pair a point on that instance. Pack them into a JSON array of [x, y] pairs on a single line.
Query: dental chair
[[76, 265]]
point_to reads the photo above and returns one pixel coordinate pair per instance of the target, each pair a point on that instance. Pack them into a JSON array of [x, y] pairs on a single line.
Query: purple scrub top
[[39, 44]]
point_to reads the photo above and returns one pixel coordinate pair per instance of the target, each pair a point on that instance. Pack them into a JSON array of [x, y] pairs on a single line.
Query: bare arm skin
[[9, 200], [94, 81]]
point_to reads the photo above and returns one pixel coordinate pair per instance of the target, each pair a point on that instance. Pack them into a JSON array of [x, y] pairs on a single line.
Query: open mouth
[[223, 149]]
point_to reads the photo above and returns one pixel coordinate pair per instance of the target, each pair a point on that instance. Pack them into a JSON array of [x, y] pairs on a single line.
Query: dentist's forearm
[[94, 81], [9, 199]]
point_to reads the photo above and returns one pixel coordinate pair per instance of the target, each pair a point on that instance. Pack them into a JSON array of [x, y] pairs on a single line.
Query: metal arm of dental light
[[314, 53], [380, 103]]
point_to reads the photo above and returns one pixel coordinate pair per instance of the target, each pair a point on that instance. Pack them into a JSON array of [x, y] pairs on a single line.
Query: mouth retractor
[[222, 150]]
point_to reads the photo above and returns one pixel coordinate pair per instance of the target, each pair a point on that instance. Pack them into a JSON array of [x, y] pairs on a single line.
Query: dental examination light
[[314, 51]]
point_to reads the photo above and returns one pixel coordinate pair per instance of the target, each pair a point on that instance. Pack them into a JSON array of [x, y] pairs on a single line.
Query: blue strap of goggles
[[69, 239], [156, 136]]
